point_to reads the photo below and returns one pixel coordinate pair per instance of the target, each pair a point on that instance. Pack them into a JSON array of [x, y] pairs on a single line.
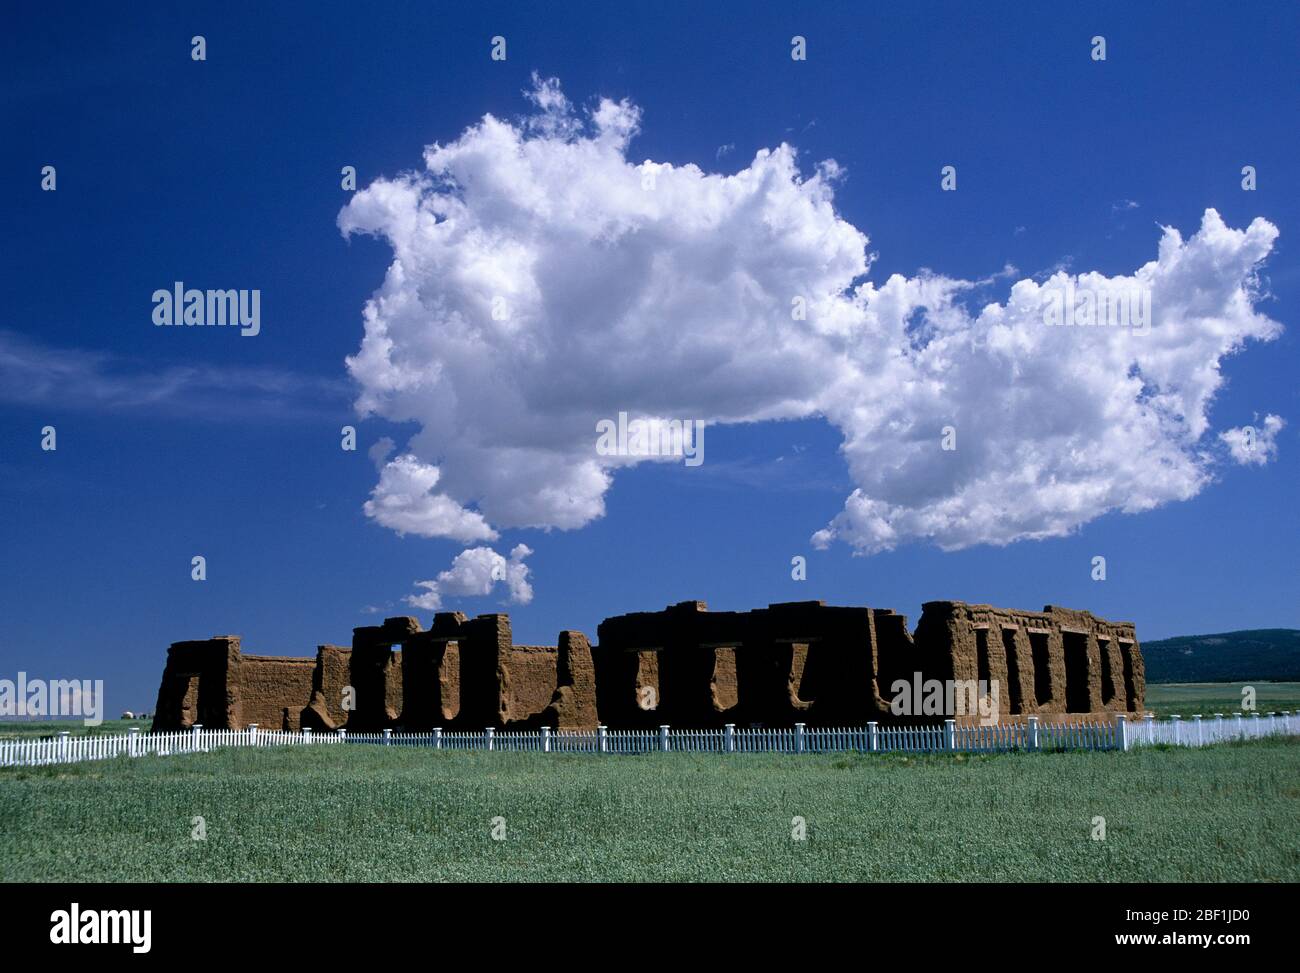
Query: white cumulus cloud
[[543, 280], [1249, 445], [404, 499], [476, 571]]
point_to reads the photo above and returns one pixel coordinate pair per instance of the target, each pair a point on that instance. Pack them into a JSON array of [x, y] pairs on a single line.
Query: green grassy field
[[1219, 697], [359, 813], [14, 729]]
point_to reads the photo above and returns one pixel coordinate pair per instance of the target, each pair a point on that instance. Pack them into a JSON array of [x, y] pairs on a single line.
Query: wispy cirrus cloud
[[37, 374]]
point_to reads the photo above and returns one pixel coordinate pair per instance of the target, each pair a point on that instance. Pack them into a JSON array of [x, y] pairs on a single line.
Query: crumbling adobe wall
[[798, 661], [533, 679], [818, 664], [485, 645], [376, 672], [431, 678], [724, 686], [894, 654], [467, 673], [684, 666], [1057, 661], [272, 689], [573, 706], [449, 682], [331, 676], [465, 678], [200, 684], [678, 689], [463, 673], [838, 685], [621, 678], [212, 683], [393, 692]]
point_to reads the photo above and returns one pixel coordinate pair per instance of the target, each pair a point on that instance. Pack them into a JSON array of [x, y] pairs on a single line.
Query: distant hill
[[1271, 654]]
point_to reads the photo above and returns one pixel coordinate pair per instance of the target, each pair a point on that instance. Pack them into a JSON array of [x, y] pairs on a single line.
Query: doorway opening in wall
[[1077, 698], [1013, 669], [1042, 667]]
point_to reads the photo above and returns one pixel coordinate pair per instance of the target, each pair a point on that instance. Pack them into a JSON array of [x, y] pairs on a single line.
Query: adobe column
[[482, 670], [375, 673]]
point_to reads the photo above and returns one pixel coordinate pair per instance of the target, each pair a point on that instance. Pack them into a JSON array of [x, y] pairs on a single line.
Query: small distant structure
[[127, 714]]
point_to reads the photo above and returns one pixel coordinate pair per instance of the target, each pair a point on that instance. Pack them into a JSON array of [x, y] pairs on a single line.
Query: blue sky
[[225, 173]]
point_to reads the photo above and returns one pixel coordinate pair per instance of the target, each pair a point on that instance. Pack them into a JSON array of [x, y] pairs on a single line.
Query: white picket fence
[[65, 748], [1122, 734], [1201, 730]]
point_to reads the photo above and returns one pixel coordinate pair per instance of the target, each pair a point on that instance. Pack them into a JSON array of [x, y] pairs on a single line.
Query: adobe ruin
[[684, 666]]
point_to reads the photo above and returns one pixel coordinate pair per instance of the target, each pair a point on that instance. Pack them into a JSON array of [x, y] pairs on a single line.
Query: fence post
[[1238, 727], [873, 740], [133, 742], [195, 737], [663, 737], [306, 734], [950, 734], [730, 732], [437, 738], [1177, 721], [602, 737], [546, 739], [63, 745], [252, 734], [343, 734], [1121, 731], [1032, 742], [1200, 739], [798, 738], [489, 735], [388, 736], [1254, 722]]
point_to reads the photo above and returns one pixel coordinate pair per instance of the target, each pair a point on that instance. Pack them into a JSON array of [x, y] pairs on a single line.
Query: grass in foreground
[[360, 813]]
